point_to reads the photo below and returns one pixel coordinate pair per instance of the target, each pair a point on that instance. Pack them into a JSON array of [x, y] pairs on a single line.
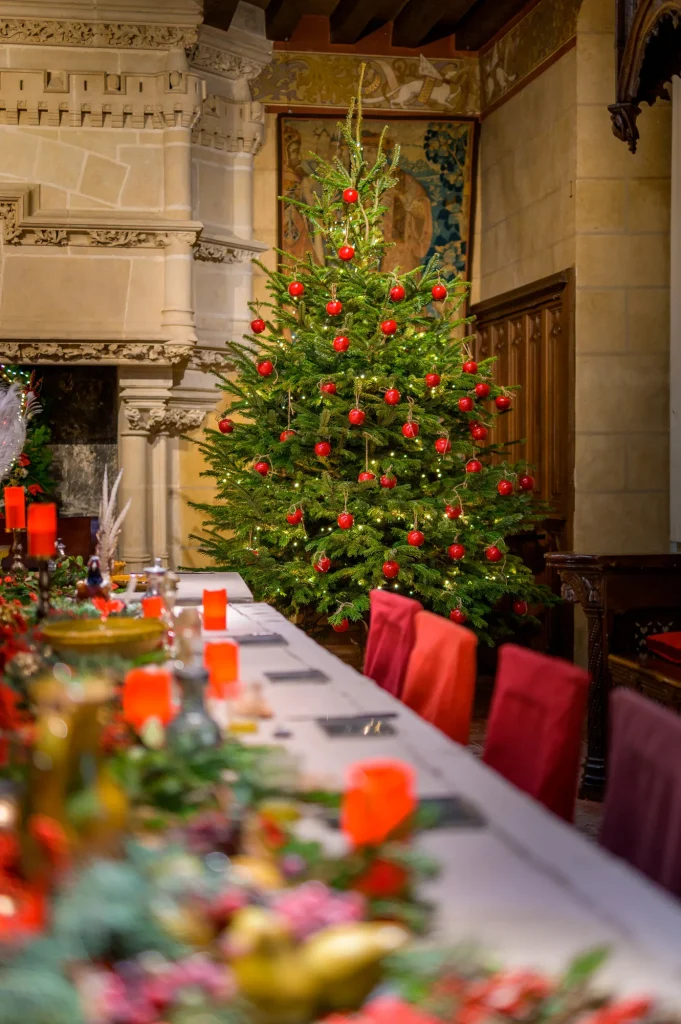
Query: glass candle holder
[[379, 799], [15, 508], [147, 693], [222, 662], [152, 607], [215, 609], [42, 530]]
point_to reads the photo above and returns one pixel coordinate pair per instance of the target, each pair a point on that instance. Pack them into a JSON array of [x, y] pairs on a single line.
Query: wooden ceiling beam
[[351, 20], [420, 23], [282, 17], [484, 20]]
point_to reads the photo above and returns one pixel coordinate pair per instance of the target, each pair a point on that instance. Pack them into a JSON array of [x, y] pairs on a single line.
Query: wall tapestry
[[430, 210]]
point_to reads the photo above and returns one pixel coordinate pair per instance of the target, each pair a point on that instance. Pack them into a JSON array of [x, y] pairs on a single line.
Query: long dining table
[[514, 878]]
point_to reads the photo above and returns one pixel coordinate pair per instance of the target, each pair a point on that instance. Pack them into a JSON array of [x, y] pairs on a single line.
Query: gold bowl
[[128, 638]]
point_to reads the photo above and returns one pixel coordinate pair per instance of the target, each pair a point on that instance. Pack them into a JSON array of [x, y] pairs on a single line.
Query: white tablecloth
[[527, 885], [192, 585]]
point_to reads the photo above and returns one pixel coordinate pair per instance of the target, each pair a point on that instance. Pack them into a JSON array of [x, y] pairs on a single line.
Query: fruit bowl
[[128, 638]]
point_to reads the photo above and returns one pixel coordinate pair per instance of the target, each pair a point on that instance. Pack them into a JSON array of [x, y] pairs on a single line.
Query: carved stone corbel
[[162, 419]]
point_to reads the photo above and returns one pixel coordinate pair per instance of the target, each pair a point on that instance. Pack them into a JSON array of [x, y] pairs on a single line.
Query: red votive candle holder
[[147, 693], [42, 530], [215, 609], [152, 607], [379, 798], [222, 662], [15, 508]]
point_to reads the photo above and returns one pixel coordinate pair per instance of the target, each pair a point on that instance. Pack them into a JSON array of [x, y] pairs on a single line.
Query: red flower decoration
[[107, 608], [24, 460], [35, 489]]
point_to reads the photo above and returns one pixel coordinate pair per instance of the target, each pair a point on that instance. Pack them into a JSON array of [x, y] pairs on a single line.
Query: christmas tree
[[358, 447]]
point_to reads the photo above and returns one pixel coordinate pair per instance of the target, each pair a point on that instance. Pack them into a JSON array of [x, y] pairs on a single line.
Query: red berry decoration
[[357, 417], [262, 467], [296, 289], [342, 627], [226, 426], [323, 564], [345, 520], [287, 434], [329, 388], [341, 343], [265, 367], [479, 433], [388, 481], [456, 551], [470, 366], [432, 380], [392, 396], [520, 607], [389, 326], [365, 476], [493, 554], [473, 466], [443, 445], [258, 325], [456, 615], [410, 429], [482, 390], [453, 511], [295, 517], [439, 292], [322, 449], [350, 195], [346, 252], [334, 307], [397, 293], [391, 570], [415, 538], [465, 404], [505, 487], [502, 402], [526, 482]]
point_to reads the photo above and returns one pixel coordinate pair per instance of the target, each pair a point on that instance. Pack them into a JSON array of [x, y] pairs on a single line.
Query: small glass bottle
[[192, 728]]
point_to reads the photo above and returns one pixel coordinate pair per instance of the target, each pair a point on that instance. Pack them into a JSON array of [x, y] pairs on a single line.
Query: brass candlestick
[[17, 551], [43, 607]]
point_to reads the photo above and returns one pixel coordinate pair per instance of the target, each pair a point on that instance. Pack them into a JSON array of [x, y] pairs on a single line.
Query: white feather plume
[[109, 523], [14, 416]]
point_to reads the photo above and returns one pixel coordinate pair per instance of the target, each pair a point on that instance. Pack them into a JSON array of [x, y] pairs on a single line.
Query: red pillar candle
[[215, 609], [42, 530], [379, 798], [222, 662], [15, 508], [147, 693], [152, 607]]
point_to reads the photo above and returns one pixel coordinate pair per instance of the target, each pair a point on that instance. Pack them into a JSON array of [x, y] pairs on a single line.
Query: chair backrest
[[390, 640], [534, 734], [440, 680], [642, 812]]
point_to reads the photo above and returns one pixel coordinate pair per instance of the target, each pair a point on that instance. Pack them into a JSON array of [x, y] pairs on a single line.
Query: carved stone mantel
[[113, 352]]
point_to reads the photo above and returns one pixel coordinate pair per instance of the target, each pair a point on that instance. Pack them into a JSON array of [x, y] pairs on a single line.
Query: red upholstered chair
[[440, 680], [642, 812], [391, 638], [534, 734]]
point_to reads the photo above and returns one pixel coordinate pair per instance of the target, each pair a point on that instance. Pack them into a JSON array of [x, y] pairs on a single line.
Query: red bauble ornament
[[391, 570], [526, 482], [388, 481], [226, 426], [473, 466], [357, 417], [493, 554], [342, 627], [439, 292], [296, 289], [265, 367], [456, 551], [502, 402], [341, 343], [482, 390], [334, 307], [295, 517], [520, 607], [456, 615], [365, 476], [465, 404], [505, 487], [287, 434], [410, 429], [262, 467], [322, 564], [346, 252], [345, 520], [350, 195], [415, 538], [322, 449], [443, 445], [397, 293], [479, 433], [258, 325], [470, 366], [389, 326], [453, 511], [329, 388], [392, 396], [432, 380]]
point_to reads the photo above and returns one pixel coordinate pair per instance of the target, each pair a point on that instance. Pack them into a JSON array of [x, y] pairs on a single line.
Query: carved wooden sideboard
[[625, 598]]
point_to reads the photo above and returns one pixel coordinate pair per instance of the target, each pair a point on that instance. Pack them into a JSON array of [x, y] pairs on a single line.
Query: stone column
[[159, 495], [132, 458]]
